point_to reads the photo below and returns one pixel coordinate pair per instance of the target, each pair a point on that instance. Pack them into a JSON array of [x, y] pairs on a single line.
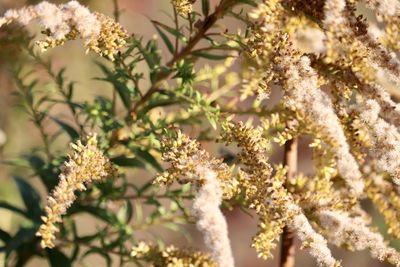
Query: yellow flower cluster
[[183, 7], [71, 21], [111, 39], [392, 31], [256, 183], [170, 256], [385, 198], [325, 85], [260, 44], [213, 178], [185, 156], [267, 195], [86, 165]]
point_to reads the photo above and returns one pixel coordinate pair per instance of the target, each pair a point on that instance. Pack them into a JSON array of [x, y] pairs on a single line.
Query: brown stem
[[205, 26], [117, 11], [288, 249], [114, 92]]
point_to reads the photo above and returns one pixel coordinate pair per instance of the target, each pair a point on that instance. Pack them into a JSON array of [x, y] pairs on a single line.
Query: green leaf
[[87, 238], [248, 2], [76, 245], [5, 237], [7, 206], [23, 235], [60, 76], [30, 198], [124, 161], [35, 161], [212, 120], [100, 213], [172, 31], [145, 187], [73, 134], [158, 102], [146, 55], [123, 92], [125, 213], [16, 162], [167, 42], [186, 187], [205, 6], [58, 259], [99, 251], [210, 56], [48, 173], [146, 156], [70, 92], [177, 228], [121, 88]]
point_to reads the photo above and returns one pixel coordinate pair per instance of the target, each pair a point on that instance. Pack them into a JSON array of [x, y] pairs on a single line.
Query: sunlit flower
[[86, 165]]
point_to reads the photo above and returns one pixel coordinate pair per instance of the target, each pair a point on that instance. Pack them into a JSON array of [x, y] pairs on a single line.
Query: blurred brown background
[[17, 134]]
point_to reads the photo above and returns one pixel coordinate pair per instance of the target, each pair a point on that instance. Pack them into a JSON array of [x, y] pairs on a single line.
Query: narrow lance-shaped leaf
[[30, 197], [73, 134], [5, 237], [7, 206], [58, 259], [172, 31], [210, 56], [121, 88], [145, 155], [167, 42], [205, 6], [100, 252], [124, 161]]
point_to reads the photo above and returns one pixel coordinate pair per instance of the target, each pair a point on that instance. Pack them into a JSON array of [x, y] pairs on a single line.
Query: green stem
[[177, 28], [114, 93], [60, 86], [208, 22]]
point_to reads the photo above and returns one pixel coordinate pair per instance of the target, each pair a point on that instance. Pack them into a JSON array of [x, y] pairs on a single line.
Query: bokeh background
[[18, 135]]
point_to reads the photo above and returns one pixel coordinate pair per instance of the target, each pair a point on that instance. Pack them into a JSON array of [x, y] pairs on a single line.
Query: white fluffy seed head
[[59, 20], [344, 229], [209, 219], [304, 95]]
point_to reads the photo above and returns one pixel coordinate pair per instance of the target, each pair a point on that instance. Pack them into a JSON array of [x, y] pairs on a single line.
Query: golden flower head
[[170, 256], [71, 21], [183, 7], [185, 155], [87, 164]]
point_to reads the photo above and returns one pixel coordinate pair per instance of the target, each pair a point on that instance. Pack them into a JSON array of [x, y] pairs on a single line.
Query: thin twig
[[60, 86], [206, 25], [117, 12], [36, 117], [131, 197], [114, 93], [190, 25], [288, 249]]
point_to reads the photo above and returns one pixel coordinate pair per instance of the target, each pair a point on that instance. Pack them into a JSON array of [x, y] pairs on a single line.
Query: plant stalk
[[114, 93], [288, 249], [206, 24]]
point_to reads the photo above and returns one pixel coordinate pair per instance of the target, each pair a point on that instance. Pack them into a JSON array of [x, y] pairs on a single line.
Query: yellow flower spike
[[87, 164]]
